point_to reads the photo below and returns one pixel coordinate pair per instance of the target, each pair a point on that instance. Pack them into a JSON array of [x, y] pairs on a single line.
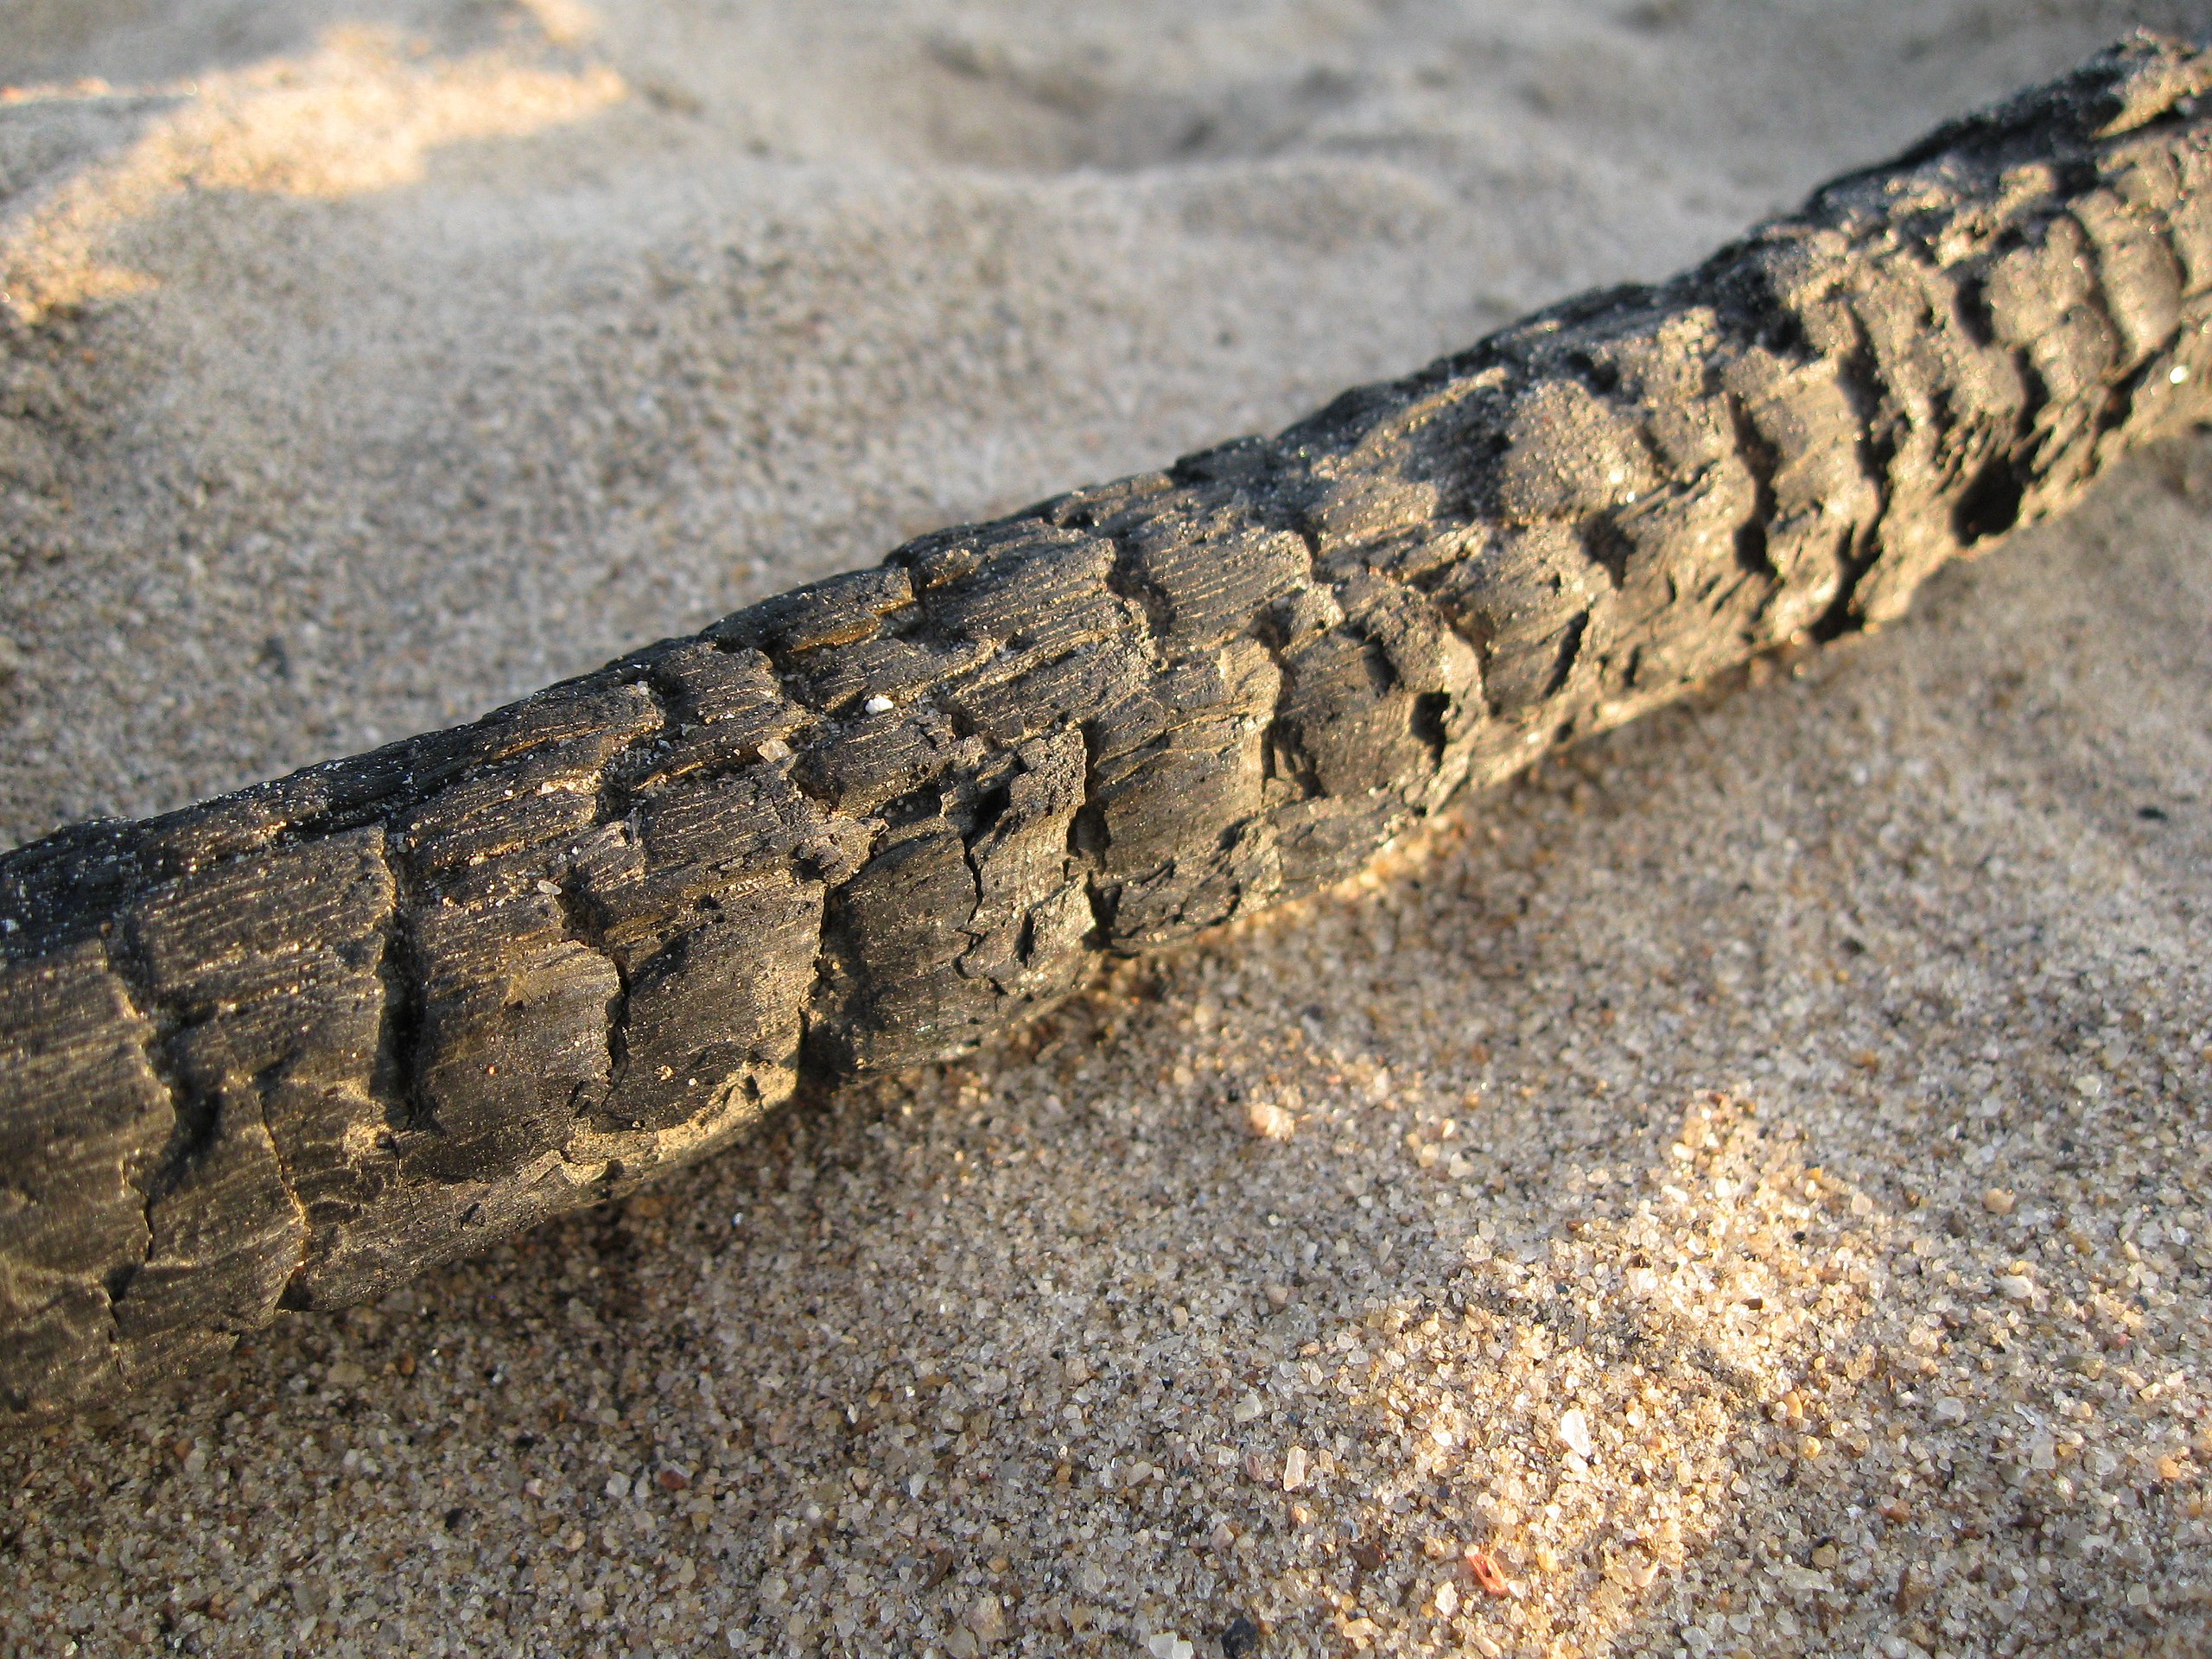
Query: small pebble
[[1574, 1432], [1997, 1200], [1484, 1569], [987, 1618]]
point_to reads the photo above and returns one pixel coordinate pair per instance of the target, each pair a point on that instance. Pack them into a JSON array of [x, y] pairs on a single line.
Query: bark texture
[[288, 1047]]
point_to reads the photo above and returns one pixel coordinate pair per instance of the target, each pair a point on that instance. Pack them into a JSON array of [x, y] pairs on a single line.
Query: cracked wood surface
[[290, 1046]]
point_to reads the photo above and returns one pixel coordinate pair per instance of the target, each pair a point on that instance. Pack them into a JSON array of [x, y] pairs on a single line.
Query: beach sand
[[1743, 1189]]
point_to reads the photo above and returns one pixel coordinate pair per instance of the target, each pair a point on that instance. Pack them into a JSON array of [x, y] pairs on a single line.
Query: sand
[[1744, 1189]]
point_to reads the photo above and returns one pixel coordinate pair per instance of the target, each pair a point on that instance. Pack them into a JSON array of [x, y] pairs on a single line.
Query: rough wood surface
[[288, 1047]]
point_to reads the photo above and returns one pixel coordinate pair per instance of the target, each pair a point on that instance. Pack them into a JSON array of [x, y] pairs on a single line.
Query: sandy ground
[[1743, 1190]]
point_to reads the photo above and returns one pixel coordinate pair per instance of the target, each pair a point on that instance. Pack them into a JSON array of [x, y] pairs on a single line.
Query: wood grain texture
[[289, 1047]]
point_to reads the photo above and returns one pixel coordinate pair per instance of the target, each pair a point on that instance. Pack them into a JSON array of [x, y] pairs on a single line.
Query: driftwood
[[289, 1047]]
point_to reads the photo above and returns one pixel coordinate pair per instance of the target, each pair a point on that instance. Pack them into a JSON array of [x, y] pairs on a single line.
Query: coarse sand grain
[[1741, 1189]]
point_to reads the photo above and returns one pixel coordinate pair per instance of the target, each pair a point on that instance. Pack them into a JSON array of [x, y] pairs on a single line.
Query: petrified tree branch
[[288, 1047]]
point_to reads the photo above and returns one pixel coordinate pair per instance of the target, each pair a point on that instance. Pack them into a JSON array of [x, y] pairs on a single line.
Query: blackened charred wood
[[289, 1047]]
